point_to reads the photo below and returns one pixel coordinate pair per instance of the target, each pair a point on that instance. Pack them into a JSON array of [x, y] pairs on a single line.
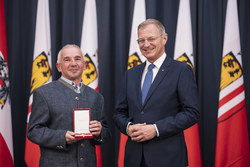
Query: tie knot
[[151, 66]]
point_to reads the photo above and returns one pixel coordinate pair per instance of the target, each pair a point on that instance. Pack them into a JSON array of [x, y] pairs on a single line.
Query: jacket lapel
[[138, 82], [160, 75]]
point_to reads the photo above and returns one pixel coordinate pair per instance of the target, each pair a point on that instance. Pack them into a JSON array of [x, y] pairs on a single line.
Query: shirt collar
[[158, 62], [72, 83]]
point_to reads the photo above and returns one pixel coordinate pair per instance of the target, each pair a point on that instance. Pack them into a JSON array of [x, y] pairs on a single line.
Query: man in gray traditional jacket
[[51, 120]]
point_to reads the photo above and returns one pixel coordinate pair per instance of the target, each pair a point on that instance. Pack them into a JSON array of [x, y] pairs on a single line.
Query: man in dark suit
[[51, 120], [158, 100]]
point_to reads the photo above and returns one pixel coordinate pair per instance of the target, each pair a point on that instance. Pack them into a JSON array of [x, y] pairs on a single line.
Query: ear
[[165, 37], [58, 66]]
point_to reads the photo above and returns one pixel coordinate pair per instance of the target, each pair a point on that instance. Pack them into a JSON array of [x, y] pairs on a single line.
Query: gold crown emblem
[[230, 70], [184, 58], [133, 61], [90, 73], [41, 71]]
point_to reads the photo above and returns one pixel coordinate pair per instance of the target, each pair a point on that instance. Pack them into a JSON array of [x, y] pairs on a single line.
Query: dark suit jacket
[[171, 104], [52, 116]]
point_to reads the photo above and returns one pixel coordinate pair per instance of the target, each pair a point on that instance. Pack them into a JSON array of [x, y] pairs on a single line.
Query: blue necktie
[[147, 82]]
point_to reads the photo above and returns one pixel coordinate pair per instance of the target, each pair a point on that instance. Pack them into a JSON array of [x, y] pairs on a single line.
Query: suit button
[[82, 145], [142, 112], [59, 147], [81, 159], [77, 98]]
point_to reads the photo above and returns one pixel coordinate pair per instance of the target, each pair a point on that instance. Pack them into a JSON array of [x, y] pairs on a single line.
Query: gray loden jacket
[[52, 116]]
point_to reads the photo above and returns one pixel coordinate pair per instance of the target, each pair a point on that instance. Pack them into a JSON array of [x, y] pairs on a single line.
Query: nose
[[146, 43], [73, 62]]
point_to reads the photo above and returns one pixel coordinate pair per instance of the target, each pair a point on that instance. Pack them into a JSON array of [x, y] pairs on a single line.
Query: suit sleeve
[[121, 116], [189, 113], [38, 132]]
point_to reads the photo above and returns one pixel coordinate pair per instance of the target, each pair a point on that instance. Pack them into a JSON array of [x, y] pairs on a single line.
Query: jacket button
[[59, 147], [81, 159], [82, 145], [77, 98], [142, 112]]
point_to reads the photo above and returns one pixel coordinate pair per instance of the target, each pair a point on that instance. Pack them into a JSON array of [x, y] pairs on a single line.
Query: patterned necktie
[[147, 82]]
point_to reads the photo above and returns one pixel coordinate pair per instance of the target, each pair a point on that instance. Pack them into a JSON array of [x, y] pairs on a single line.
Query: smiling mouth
[[148, 50], [73, 70]]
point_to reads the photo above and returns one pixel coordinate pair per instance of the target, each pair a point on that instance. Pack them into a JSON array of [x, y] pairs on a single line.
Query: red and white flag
[[134, 58], [89, 46], [232, 143], [41, 70], [184, 53], [6, 143]]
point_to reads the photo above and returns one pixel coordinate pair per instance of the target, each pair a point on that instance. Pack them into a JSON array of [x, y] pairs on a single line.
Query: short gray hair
[[68, 46], [158, 24]]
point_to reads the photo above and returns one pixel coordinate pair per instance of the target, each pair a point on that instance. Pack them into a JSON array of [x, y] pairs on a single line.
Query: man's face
[[151, 42], [71, 63]]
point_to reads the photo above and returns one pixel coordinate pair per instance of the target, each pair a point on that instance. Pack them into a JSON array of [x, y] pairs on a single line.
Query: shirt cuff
[[156, 131], [129, 123]]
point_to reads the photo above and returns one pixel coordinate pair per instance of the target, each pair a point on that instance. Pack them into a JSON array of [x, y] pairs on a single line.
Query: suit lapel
[[138, 82], [160, 75]]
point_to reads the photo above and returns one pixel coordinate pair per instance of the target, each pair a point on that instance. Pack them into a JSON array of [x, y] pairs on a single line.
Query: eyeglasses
[[150, 40]]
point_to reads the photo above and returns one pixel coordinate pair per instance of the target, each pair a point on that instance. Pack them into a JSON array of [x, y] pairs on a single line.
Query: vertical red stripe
[[232, 142], [3, 42], [98, 155], [123, 141], [32, 154], [32, 151], [5, 154], [192, 139], [98, 148]]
